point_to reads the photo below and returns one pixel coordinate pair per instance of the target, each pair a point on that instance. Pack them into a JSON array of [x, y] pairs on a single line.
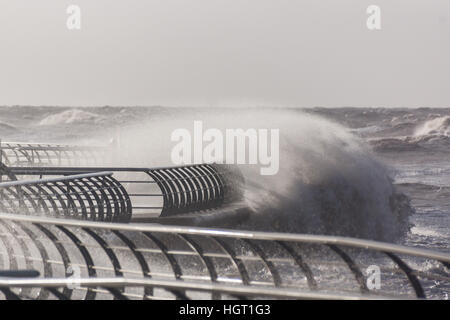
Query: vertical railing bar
[[352, 266], [312, 284], [205, 260], [269, 265], [408, 272]]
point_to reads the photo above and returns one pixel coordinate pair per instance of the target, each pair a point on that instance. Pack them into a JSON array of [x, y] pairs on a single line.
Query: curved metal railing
[[40, 154], [6, 174], [164, 191], [93, 260], [93, 196], [197, 187]]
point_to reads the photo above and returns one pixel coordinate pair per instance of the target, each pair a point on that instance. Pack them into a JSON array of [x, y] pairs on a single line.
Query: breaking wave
[[328, 181], [7, 128], [72, 116], [433, 135], [439, 126]]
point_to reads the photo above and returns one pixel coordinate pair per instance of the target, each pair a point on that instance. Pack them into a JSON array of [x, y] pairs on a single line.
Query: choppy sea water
[[413, 144], [338, 167]]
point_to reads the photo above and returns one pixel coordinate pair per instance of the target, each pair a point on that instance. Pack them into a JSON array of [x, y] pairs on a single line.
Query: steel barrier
[[153, 192], [95, 260], [93, 196], [41, 154]]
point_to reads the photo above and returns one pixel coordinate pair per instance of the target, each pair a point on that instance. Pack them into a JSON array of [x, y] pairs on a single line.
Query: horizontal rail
[[181, 189], [62, 170], [46, 143], [31, 154], [186, 262], [251, 235], [50, 180], [92, 196], [267, 292]]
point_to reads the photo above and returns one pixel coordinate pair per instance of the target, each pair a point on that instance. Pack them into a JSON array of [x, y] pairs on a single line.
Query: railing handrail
[[120, 282], [64, 170], [253, 235], [45, 145], [49, 180]]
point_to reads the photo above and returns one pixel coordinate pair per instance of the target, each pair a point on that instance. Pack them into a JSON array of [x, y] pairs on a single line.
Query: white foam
[[328, 181], [422, 231], [72, 116], [437, 126]]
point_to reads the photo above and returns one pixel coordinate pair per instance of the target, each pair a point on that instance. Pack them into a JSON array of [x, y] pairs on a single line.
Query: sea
[[375, 173]]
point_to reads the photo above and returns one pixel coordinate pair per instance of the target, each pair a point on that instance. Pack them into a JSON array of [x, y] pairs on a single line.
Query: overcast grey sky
[[225, 53]]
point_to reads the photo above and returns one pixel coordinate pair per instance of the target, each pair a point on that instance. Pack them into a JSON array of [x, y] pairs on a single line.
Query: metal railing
[[94, 196], [42, 154], [49, 258], [163, 191], [135, 261], [6, 174]]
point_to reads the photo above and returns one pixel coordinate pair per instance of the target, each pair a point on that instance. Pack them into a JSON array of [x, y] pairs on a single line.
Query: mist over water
[[328, 181]]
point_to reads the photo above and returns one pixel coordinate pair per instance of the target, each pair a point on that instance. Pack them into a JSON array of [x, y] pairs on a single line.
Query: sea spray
[[436, 126], [328, 181]]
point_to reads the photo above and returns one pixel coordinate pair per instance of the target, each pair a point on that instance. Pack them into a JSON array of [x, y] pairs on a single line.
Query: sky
[[296, 53]]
